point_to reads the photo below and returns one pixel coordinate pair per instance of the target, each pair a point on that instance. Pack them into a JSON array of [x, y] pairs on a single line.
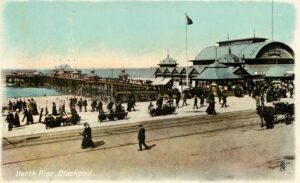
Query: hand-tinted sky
[[131, 34]]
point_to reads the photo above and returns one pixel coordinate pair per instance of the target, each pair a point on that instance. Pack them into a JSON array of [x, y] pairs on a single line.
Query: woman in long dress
[[87, 137], [29, 117], [17, 120], [54, 110]]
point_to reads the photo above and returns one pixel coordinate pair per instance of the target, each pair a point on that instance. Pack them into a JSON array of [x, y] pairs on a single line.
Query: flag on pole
[[189, 21]]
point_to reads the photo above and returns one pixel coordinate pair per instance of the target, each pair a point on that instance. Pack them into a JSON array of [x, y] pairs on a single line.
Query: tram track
[[123, 129]]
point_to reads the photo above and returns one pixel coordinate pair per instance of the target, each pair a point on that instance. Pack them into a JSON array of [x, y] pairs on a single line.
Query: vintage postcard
[[149, 90]]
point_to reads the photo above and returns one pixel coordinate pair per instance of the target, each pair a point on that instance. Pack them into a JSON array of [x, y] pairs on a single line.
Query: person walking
[[184, 99], [17, 120], [85, 104], [80, 104], [202, 100], [195, 102], [224, 97], [54, 110], [41, 115], [87, 137], [219, 94], [291, 89], [29, 117], [142, 138], [177, 99], [100, 105], [10, 120], [25, 114]]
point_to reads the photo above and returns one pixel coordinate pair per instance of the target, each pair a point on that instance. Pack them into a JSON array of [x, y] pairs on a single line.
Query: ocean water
[[12, 92]]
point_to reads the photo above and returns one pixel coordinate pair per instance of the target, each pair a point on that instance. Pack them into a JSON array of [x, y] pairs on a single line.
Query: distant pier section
[[69, 80]]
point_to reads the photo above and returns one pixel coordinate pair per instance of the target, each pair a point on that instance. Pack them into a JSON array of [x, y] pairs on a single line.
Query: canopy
[[161, 81], [165, 81], [215, 72], [158, 80]]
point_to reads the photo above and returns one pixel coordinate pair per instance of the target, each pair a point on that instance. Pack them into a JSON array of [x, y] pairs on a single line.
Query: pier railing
[[89, 87]]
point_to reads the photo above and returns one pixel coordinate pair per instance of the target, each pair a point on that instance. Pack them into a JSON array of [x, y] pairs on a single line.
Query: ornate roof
[[216, 71], [229, 58], [247, 50], [168, 61]]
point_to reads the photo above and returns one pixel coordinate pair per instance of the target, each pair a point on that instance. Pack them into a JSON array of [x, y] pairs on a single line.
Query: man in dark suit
[[84, 104], [10, 120], [142, 137]]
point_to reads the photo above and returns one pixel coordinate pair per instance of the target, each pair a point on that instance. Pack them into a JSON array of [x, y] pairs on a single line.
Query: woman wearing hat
[[87, 137]]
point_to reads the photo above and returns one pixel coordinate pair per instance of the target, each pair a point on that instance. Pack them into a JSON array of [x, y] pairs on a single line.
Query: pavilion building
[[251, 58]]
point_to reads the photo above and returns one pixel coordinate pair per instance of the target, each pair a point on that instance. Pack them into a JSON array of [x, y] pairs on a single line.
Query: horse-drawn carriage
[[51, 122], [285, 111], [112, 115], [158, 111], [280, 112]]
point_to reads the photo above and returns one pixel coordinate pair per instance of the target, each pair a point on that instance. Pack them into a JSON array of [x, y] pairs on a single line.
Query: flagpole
[[272, 19], [186, 52]]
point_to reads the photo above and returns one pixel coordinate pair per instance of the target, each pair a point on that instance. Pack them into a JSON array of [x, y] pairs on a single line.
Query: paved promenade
[[141, 114], [228, 146]]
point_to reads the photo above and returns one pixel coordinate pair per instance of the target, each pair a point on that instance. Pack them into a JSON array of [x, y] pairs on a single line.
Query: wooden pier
[[100, 88]]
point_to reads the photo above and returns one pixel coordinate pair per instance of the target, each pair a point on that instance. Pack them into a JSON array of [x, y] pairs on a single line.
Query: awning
[[161, 81], [165, 81], [157, 81]]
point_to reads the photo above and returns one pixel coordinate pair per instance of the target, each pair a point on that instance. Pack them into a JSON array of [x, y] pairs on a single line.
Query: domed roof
[[229, 57], [168, 61]]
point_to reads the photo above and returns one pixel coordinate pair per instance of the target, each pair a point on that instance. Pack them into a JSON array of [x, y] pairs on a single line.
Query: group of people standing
[[28, 108], [12, 120]]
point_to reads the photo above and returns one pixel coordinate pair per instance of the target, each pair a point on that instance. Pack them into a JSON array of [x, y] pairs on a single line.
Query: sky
[[101, 34]]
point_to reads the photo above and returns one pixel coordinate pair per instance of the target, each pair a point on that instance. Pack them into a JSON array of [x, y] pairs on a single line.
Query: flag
[[189, 21]]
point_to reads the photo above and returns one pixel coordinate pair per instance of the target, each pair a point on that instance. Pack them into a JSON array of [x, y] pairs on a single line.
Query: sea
[[12, 92]]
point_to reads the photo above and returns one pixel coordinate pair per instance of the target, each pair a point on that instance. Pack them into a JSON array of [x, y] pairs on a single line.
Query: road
[[223, 147]]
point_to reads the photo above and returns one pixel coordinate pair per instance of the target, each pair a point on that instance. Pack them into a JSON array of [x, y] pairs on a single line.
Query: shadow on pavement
[[151, 146], [99, 143]]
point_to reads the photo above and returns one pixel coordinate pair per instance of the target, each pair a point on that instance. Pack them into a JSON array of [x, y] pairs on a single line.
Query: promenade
[[227, 146], [140, 115]]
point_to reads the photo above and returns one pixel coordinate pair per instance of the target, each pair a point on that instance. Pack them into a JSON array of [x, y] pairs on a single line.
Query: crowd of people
[[17, 106], [261, 92]]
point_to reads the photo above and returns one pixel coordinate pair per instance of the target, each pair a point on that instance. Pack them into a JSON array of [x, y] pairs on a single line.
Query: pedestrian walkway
[[141, 114]]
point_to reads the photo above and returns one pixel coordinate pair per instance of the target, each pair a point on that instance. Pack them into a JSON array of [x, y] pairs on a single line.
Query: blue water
[[12, 92]]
